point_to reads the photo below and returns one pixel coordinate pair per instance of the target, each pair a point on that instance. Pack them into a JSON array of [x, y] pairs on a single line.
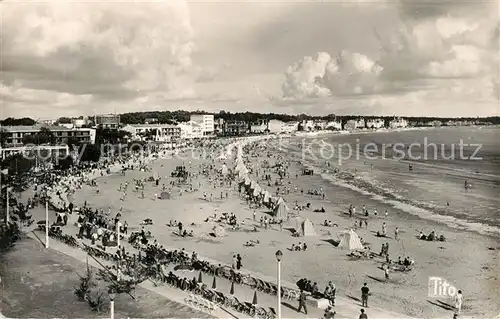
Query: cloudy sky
[[404, 57]]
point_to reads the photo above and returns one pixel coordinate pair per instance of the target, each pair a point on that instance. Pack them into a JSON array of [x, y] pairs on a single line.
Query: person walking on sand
[[396, 233], [363, 314], [238, 262], [458, 301], [365, 291], [302, 301]]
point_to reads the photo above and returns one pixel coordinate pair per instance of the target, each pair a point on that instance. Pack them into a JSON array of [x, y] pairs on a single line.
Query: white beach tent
[[243, 173], [239, 166], [350, 240], [224, 169], [256, 190], [281, 211], [248, 181], [253, 184], [267, 197], [306, 228]]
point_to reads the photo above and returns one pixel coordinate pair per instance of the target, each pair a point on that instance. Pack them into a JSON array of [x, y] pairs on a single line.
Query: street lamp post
[[7, 217], [118, 225], [112, 296], [47, 223], [279, 255]]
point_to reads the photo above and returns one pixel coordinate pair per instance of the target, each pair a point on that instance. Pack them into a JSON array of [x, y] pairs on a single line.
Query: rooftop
[[34, 128], [153, 125]]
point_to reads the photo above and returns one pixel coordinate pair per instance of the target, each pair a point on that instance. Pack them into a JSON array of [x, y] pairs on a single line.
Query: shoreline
[[351, 179]]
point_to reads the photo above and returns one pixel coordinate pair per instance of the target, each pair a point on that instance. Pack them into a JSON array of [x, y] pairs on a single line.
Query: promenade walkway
[[344, 307]]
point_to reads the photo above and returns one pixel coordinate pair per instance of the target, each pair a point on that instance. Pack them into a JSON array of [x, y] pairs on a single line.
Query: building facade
[[107, 121], [334, 125], [259, 127], [191, 130], [219, 126], [236, 128], [153, 132], [398, 123], [14, 136], [375, 123], [275, 126], [206, 121]]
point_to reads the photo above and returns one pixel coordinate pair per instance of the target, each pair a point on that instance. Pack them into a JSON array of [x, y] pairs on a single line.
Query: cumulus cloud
[[348, 73], [104, 51], [434, 42], [446, 47]]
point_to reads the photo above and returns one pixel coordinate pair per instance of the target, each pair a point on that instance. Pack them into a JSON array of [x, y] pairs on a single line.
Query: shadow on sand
[[353, 298], [376, 279], [331, 241], [441, 304]]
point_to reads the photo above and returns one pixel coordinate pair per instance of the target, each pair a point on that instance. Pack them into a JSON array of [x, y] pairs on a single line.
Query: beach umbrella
[[200, 278], [214, 284], [254, 301], [232, 288]]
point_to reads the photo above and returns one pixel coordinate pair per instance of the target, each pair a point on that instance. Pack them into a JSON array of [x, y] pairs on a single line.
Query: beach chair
[[250, 309], [261, 313], [189, 299], [211, 306], [269, 288], [262, 285], [274, 288], [272, 313], [294, 294]]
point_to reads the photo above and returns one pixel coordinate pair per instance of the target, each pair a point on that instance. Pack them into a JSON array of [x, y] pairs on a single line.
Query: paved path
[[345, 308]]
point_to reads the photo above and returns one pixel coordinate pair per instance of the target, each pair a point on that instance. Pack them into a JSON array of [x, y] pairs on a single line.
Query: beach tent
[[239, 166], [224, 169], [219, 231], [267, 197], [164, 195], [306, 228], [281, 211], [256, 190], [248, 181], [280, 200], [242, 172], [350, 240], [253, 184]]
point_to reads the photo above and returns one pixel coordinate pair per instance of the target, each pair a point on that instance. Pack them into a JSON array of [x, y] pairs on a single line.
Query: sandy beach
[[466, 259]]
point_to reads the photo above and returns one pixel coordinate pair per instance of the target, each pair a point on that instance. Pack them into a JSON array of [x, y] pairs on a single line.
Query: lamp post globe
[[279, 255], [112, 295]]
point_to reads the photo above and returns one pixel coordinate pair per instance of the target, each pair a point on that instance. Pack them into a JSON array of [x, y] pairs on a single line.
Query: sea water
[[434, 188]]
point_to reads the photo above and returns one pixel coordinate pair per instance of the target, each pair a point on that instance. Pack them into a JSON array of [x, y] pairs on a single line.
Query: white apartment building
[[290, 127], [360, 123], [320, 125], [375, 123], [258, 127], [275, 126], [191, 130], [398, 123], [308, 125], [206, 121], [334, 125], [155, 132]]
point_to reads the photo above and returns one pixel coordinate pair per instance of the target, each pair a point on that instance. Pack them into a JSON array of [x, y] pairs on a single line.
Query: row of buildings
[[199, 126]]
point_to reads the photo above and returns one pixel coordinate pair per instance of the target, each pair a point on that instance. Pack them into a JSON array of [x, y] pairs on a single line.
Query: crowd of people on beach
[[106, 228]]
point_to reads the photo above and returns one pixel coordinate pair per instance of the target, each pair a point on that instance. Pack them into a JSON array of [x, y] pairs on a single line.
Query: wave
[[376, 191]]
